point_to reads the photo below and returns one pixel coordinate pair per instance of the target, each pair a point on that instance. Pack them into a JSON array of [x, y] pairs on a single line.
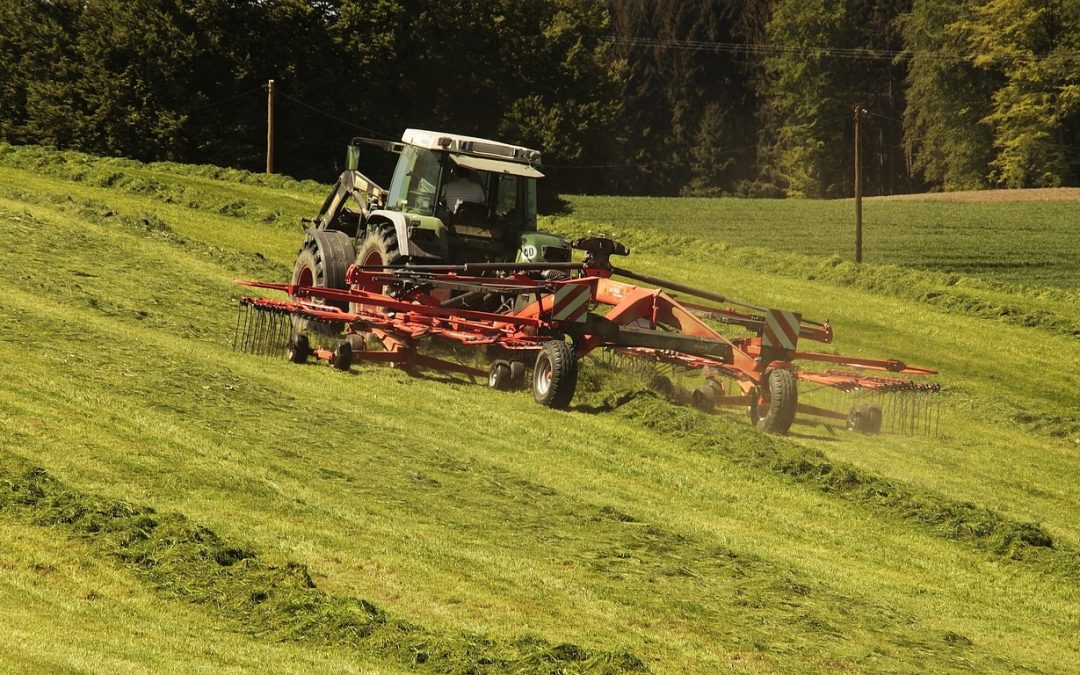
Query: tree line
[[654, 97]]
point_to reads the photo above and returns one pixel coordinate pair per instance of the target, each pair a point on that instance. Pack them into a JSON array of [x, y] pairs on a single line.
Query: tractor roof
[[468, 145]]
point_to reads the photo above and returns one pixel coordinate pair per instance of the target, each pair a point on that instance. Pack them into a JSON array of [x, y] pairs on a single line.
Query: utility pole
[[858, 189], [270, 127]]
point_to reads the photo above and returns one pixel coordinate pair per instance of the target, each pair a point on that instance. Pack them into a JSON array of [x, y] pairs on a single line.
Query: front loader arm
[[360, 188]]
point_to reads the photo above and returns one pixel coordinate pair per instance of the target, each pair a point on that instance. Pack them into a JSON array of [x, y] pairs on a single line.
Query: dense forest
[[651, 97]]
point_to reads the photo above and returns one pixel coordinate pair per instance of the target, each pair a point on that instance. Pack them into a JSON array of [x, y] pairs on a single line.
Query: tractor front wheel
[[773, 410], [555, 375], [379, 248]]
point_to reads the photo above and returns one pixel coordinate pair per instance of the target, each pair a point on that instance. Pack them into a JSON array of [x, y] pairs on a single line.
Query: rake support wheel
[[517, 374], [341, 358], [555, 375], [865, 418], [299, 349], [704, 398], [773, 409], [499, 376]]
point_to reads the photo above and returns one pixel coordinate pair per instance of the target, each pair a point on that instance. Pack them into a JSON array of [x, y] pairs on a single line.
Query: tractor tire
[[865, 418], [499, 376], [324, 267], [555, 375], [774, 412], [379, 247]]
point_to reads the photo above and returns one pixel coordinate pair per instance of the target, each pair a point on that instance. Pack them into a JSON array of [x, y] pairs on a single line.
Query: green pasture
[[1021, 243], [173, 505]]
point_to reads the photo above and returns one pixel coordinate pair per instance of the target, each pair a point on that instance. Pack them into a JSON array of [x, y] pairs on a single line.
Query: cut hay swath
[[549, 316]]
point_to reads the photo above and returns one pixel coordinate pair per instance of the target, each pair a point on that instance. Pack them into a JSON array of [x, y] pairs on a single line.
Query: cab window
[[416, 176], [515, 203]]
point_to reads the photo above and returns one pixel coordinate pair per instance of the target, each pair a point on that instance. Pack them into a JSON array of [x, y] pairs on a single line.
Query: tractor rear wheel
[[555, 375], [321, 263], [323, 266], [773, 410]]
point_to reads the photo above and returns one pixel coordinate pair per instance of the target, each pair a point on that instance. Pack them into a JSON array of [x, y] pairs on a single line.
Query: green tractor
[[452, 199]]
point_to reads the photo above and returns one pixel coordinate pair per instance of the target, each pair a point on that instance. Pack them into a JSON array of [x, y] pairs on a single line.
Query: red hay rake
[[551, 315]]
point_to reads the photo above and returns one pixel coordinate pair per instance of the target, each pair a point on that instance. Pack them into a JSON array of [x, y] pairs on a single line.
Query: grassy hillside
[[172, 504]]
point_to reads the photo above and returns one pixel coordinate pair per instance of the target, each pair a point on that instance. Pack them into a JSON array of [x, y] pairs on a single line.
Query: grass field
[[1019, 242], [170, 504]]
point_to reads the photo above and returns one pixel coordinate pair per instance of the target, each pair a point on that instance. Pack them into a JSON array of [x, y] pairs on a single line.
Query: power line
[[224, 100], [278, 92]]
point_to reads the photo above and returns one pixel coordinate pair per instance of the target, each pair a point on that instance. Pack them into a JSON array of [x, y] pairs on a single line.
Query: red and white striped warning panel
[[781, 329], [571, 303]]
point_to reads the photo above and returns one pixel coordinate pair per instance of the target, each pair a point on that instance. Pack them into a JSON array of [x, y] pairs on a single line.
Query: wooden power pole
[[858, 189], [270, 127]]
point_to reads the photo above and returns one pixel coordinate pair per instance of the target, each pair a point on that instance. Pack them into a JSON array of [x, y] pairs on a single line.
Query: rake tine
[[279, 331], [268, 334], [256, 342], [275, 328], [261, 345], [253, 332], [286, 333], [271, 334], [248, 320], [241, 333], [236, 332], [256, 333]]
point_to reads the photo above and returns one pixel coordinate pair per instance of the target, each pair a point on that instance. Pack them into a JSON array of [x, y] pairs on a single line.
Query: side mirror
[[352, 158]]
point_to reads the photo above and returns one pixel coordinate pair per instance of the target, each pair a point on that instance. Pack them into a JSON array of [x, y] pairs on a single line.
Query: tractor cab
[[483, 193]]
